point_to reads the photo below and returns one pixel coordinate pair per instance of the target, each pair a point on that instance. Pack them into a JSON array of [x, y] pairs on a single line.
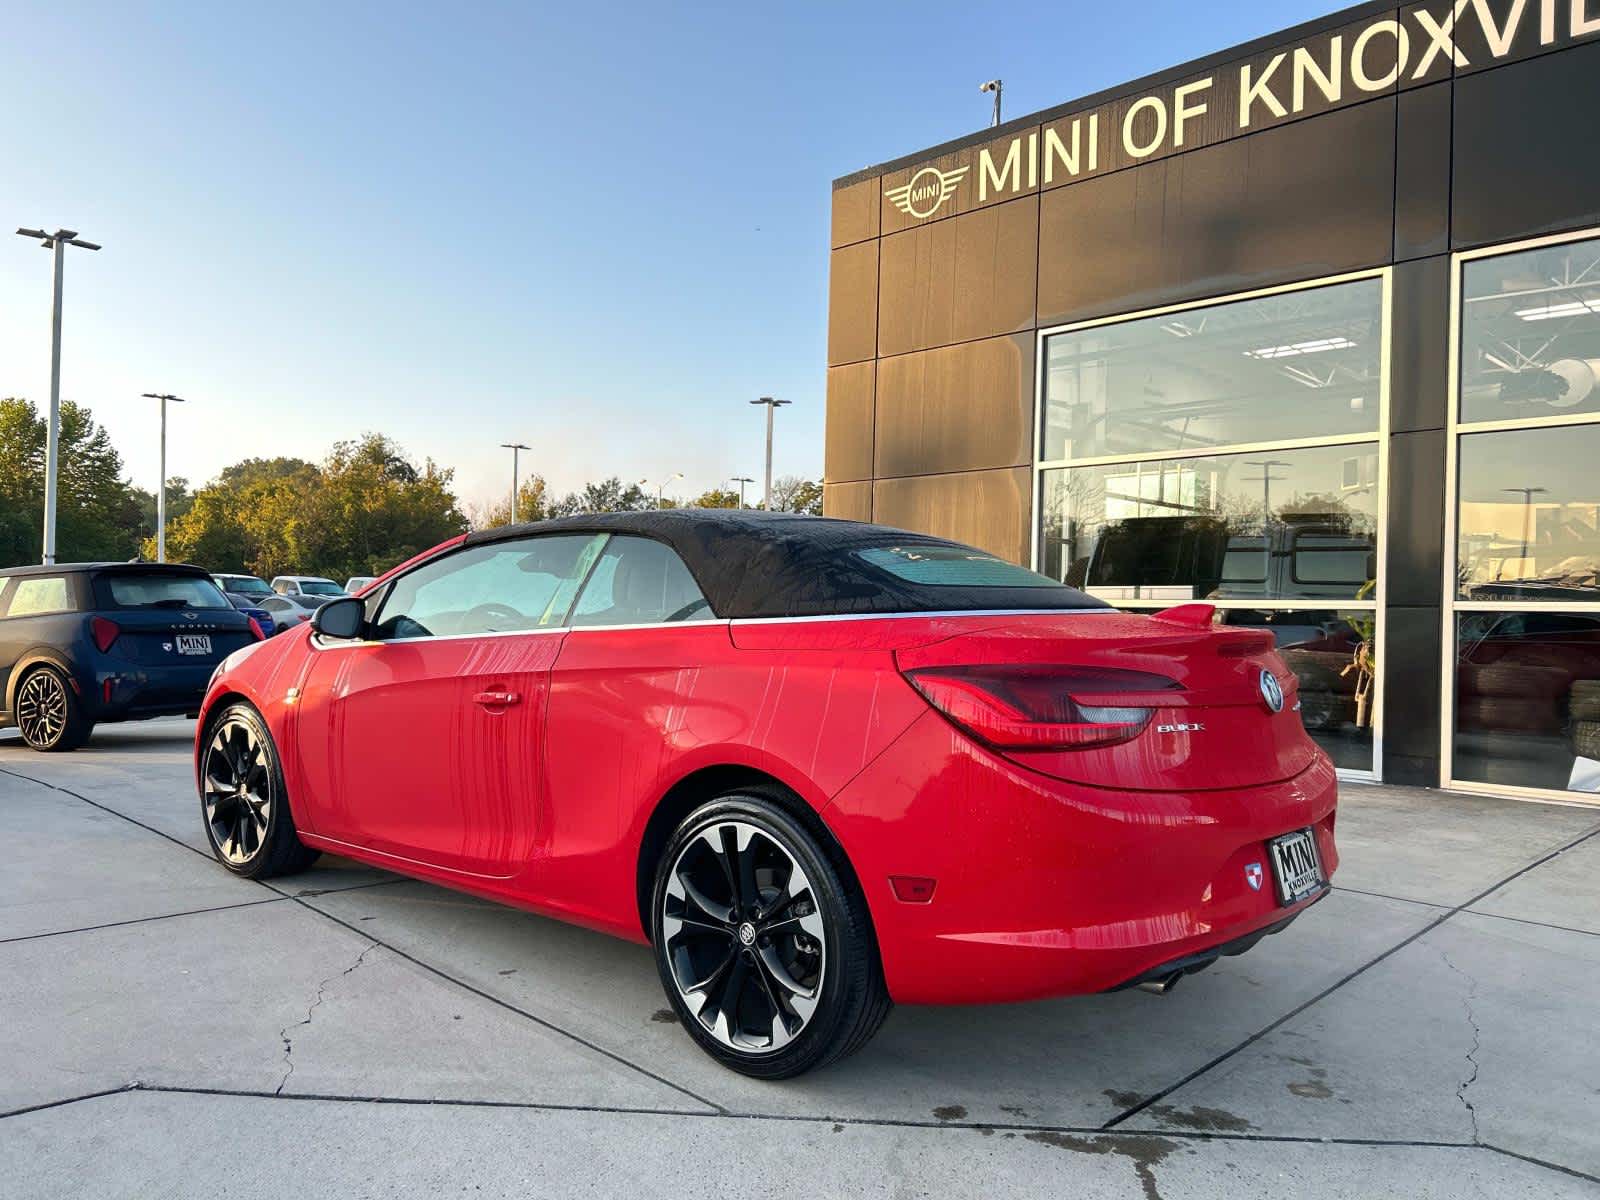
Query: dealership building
[[1308, 330]]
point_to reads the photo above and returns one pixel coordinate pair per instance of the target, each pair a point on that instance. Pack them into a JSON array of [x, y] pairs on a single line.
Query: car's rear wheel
[[48, 714], [765, 947], [243, 801]]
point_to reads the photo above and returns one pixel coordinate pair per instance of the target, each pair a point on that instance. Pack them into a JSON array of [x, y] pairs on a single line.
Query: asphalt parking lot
[[1430, 1029]]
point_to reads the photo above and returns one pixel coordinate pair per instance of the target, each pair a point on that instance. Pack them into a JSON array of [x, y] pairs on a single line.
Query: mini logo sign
[[1271, 692], [926, 193], [1253, 876]]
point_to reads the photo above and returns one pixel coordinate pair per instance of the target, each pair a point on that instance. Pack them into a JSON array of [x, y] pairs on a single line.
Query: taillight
[[1032, 707], [255, 628], [104, 632]]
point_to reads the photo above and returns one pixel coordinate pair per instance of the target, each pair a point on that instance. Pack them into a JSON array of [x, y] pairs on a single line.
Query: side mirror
[[340, 618]]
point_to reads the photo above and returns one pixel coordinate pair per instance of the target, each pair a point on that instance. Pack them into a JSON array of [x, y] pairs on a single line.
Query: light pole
[[662, 487], [161, 491], [1267, 477], [516, 449], [1527, 494], [995, 86], [57, 241], [772, 407], [741, 480]]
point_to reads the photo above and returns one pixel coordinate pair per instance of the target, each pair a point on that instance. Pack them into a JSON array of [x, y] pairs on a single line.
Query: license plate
[[194, 643], [1296, 865]]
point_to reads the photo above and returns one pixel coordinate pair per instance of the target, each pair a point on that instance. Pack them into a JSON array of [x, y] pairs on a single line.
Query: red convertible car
[[819, 766]]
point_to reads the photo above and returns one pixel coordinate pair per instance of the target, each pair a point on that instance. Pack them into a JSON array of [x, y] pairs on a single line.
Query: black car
[[89, 642]]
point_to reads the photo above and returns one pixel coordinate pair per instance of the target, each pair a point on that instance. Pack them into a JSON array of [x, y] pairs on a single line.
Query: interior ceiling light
[[1266, 353], [1568, 308]]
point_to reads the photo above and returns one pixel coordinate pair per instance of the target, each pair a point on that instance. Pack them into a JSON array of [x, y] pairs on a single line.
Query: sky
[[599, 229]]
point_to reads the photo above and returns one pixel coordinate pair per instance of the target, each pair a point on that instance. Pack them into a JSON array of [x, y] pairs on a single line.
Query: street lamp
[[772, 407], [57, 241], [1527, 494], [995, 86], [741, 480], [662, 487], [516, 449], [161, 490]]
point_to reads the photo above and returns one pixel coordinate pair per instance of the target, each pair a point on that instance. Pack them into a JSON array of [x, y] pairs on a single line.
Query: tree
[[791, 493], [367, 508], [97, 513], [609, 495], [533, 504], [715, 498]]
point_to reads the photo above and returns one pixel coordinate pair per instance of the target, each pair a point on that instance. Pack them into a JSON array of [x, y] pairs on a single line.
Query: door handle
[[497, 699]]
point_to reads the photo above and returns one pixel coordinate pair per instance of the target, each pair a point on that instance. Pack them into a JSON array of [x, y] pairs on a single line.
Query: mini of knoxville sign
[[1416, 45]]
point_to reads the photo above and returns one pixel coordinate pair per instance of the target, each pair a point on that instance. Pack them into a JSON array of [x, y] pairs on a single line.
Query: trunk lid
[[1215, 730]]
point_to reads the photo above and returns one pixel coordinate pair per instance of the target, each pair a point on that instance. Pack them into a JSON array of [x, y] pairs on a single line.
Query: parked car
[[819, 766], [249, 586], [306, 585], [288, 611], [356, 582], [260, 616], [83, 643]]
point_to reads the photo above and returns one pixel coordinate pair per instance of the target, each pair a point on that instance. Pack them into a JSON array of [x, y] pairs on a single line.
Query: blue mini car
[[89, 642]]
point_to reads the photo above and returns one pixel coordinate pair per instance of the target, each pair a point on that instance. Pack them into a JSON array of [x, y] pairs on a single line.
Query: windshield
[[243, 585], [132, 589], [320, 587]]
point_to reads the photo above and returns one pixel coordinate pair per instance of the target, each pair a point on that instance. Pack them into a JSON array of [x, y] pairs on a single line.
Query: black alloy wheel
[[765, 950], [48, 714], [246, 813]]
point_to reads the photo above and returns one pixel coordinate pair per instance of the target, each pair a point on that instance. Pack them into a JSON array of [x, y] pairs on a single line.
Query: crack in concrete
[[283, 1034], [1477, 1042]]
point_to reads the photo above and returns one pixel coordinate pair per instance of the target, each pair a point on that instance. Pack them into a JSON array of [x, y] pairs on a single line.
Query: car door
[[623, 711], [424, 741]]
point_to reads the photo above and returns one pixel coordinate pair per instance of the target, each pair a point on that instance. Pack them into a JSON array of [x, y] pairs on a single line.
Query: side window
[[499, 588], [37, 595], [639, 582]]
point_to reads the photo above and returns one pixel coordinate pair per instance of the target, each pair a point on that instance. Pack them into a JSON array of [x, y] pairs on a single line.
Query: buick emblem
[[1253, 876], [747, 934], [1271, 692]]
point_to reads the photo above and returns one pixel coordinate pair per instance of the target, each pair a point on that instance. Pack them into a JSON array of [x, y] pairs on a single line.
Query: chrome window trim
[[319, 643]]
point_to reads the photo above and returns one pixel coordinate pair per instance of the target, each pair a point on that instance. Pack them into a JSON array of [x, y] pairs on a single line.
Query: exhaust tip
[[1160, 987]]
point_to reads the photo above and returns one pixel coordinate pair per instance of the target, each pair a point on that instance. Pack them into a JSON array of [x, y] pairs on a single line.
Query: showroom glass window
[[1524, 611], [1231, 452]]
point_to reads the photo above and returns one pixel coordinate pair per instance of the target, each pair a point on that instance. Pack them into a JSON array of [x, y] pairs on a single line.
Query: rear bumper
[[1047, 888], [117, 691]]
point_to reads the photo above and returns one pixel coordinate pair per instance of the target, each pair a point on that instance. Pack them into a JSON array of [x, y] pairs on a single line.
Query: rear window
[[951, 566], [243, 585], [132, 589], [320, 587]]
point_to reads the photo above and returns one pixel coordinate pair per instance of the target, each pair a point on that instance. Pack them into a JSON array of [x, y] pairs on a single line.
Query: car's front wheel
[[242, 799], [48, 713], [764, 946]]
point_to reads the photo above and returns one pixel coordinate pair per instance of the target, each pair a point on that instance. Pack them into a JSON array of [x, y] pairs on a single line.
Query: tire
[[244, 805], [48, 713], [801, 998], [1586, 700], [1530, 681], [1506, 714], [1586, 739], [1326, 710]]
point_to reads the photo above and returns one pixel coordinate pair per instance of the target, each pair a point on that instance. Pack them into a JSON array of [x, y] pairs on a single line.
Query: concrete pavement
[[166, 1029]]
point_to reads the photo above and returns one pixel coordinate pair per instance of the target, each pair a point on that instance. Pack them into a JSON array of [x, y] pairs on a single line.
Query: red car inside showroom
[[820, 766]]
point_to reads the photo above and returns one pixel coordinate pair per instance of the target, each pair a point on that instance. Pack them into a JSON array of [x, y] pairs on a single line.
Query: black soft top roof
[[759, 564]]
